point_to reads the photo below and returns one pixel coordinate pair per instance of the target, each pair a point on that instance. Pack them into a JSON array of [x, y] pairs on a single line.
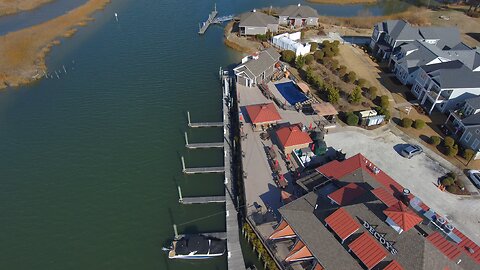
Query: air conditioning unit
[[448, 228], [440, 221]]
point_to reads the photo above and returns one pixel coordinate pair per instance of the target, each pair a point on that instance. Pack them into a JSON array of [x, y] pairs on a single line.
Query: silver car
[[474, 176], [411, 150]]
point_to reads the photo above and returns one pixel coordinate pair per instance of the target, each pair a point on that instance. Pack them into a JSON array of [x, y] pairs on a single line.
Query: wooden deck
[[205, 124], [204, 170], [204, 145], [202, 200], [206, 24]]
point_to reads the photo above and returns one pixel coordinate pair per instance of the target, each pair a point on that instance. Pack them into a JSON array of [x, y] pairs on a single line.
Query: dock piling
[[188, 116], [180, 197], [175, 230], [186, 138], [183, 164]]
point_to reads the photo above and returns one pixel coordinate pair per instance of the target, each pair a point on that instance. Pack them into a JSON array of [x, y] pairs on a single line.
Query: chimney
[[254, 10], [405, 194]]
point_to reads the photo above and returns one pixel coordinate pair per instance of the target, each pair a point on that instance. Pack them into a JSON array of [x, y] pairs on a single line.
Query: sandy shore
[[343, 2], [8, 7], [24, 51]]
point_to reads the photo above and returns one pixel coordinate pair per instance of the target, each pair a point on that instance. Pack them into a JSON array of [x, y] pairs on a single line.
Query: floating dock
[[202, 124], [199, 200], [201, 169]]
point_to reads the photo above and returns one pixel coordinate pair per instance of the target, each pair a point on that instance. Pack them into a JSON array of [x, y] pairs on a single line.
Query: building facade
[[257, 68], [257, 23], [297, 16]]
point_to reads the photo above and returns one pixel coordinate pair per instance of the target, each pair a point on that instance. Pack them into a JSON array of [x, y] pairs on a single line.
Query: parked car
[[474, 176], [411, 150]]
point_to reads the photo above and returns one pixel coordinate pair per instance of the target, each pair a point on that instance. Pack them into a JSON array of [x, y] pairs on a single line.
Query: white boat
[[196, 247]]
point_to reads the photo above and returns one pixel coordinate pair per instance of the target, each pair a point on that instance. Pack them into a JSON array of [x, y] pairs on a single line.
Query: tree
[[355, 96], [313, 46], [334, 64], [352, 119], [435, 140], [335, 43], [288, 56], [269, 34], [452, 150], [384, 111], [351, 77], [372, 92], [326, 43], [448, 141], [299, 62], [318, 55], [361, 82], [419, 124], [335, 51], [328, 52], [407, 122], [384, 103], [333, 95], [468, 154], [447, 181], [309, 59], [342, 70], [302, 33]]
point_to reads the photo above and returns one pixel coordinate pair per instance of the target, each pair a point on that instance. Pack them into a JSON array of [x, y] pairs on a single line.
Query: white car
[[474, 176]]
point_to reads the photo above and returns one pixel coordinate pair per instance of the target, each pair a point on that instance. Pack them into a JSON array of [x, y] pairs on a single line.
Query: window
[[468, 137], [475, 144], [477, 131]]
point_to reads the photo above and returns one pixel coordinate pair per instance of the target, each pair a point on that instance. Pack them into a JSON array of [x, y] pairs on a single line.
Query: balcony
[[436, 96]]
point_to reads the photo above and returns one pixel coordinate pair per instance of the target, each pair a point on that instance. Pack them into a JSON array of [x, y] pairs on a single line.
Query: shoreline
[[25, 50], [344, 2], [26, 5]]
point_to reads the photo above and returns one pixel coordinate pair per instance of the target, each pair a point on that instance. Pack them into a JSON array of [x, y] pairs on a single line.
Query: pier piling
[[175, 230], [188, 116], [180, 197], [186, 138], [183, 164]]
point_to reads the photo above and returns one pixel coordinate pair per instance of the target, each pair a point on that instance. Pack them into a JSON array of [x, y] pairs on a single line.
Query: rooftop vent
[[448, 228], [376, 170], [440, 221], [298, 4], [254, 10], [471, 250], [406, 192]]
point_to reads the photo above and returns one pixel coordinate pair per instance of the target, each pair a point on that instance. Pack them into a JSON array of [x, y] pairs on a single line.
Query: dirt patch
[[9, 7], [24, 51]]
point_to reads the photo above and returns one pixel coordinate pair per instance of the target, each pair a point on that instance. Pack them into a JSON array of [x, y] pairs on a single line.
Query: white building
[[291, 42]]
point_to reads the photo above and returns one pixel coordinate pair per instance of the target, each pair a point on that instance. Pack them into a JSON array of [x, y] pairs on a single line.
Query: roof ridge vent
[[471, 250]]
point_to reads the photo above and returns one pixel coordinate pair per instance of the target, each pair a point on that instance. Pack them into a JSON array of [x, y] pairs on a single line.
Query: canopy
[[299, 252], [283, 231], [324, 109]]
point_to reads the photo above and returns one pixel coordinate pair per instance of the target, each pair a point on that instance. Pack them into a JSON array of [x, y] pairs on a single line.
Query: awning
[[402, 216], [286, 196], [283, 231], [342, 223], [299, 252], [385, 196], [368, 250], [304, 87], [324, 109]]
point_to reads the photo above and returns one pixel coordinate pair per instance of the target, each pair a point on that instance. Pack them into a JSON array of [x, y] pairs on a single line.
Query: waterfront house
[[257, 68], [296, 16], [464, 123], [389, 35], [257, 23], [355, 216], [291, 41], [445, 85], [292, 137], [263, 115]]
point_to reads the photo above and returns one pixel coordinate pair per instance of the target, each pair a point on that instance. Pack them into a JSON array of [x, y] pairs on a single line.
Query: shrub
[[334, 64], [352, 119], [328, 52], [451, 189], [288, 56], [318, 55], [355, 96], [448, 141], [435, 140], [326, 43], [468, 154], [342, 70], [351, 77], [452, 175], [384, 101], [299, 62], [361, 82], [335, 43], [447, 181], [261, 37], [269, 34], [313, 46], [407, 122], [419, 124], [302, 33], [452, 150], [333, 95], [372, 92], [335, 51], [309, 59]]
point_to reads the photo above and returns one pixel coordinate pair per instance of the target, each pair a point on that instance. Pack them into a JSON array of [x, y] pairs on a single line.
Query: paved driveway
[[418, 174]]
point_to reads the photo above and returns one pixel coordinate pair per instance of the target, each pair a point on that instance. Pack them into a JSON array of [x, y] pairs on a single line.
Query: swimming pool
[[291, 92]]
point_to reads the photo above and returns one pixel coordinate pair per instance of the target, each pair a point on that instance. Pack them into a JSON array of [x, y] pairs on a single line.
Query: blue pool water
[[291, 92]]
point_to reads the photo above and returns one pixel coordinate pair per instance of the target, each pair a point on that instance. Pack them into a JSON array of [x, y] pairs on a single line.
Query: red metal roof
[[466, 243], [393, 265], [263, 113], [402, 216], [299, 252], [342, 223], [346, 194], [283, 230], [445, 246], [292, 135], [383, 195], [368, 250], [317, 266]]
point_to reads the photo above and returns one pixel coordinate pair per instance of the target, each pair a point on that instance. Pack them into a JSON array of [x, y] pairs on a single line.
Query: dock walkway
[[210, 20], [202, 200]]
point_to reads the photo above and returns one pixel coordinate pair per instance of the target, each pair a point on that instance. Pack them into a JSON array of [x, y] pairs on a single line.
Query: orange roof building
[[263, 114], [283, 231], [401, 218], [299, 252], [367, 250], [291, 137]]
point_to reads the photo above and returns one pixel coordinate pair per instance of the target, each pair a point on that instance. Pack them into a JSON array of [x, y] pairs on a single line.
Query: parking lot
[[419, 174]]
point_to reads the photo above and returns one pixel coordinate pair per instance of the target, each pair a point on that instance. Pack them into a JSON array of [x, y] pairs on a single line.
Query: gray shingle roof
[[255, 67], [257, 19], [299, 11], [453, 74], [448, 36], [472, 120], [474, 102]]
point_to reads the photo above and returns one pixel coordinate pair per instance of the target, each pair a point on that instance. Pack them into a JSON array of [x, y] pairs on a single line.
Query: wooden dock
[[202, 200], [202, 145], [202, 124], [219, 235], [204, 170], [211, 17]]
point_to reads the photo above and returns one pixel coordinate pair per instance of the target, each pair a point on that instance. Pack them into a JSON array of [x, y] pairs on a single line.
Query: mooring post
[[188, 116], [183, 164], [175, 230], [180, 197], [186, 138]]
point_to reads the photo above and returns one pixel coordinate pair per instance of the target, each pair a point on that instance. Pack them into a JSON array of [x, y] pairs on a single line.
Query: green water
[[89, 163]]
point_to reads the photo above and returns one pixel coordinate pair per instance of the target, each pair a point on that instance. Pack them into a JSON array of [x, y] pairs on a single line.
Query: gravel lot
[[419, 174]]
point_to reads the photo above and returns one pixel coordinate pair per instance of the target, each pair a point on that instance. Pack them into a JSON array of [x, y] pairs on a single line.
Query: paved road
[[418, 174]]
